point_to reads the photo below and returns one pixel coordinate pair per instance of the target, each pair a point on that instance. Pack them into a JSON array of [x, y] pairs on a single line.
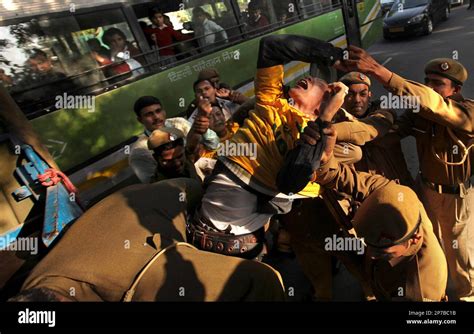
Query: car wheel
[[446, 14], [428, 26]]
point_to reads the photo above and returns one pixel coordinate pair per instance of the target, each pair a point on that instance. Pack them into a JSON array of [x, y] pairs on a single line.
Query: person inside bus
[[151, 113], [206, 31], [162, 36], [122, 52], [256, 20], [41, 80]]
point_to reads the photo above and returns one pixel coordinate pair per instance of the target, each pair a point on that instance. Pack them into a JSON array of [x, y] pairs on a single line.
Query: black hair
[[198, 81], [111, 32], [153, 11], [143, 102]]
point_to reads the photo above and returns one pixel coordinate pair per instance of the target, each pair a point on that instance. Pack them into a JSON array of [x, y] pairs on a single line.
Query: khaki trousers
[[453, 223]]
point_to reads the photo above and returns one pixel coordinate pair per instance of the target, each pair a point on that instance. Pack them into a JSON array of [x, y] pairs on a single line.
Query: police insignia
[[444, 66]]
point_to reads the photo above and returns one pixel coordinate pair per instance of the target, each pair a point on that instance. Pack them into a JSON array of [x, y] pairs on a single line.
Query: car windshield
[[404, 4]]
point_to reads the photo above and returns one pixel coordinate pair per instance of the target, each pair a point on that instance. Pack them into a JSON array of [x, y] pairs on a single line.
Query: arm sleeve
[[346, 179], [433, 107], [360, 131]]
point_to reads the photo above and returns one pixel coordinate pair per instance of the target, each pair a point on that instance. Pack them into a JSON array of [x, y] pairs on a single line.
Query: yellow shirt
[[274, 126]]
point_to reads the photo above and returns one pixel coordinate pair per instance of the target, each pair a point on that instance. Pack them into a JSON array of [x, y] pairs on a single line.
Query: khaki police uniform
[[444, 129], [100, 257], [380, 154], [389, 214]]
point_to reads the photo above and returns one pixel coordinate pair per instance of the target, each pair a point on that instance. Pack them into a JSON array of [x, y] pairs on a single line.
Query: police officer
[[403, 258], [380, 154], [444, 130], [131, 247]]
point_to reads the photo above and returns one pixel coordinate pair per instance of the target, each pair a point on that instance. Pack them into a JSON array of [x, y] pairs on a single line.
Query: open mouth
[[303, 83]]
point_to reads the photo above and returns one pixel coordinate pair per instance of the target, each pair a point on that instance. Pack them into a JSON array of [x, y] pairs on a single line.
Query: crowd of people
[[327, 163]]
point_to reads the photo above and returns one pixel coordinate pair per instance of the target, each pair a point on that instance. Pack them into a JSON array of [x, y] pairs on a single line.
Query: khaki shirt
[[101, 254], [426, 278], [380, 154], [430, 128]]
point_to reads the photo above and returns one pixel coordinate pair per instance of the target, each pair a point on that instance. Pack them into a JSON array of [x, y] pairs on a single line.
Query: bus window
[[258, 15], [313, 7], [41, 54], [111, 43], [50, 57]]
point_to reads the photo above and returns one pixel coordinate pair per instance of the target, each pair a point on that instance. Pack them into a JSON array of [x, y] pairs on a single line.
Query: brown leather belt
[[201, 233], [446, 189]]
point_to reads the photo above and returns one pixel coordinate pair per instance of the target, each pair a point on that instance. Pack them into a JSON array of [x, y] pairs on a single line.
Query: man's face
[[158, 19], [254, 14], [309, 90], [152, 117], [117, 43], [40, 64], [206, 90], [172, 160], [357, 101], [200, 18], [441, 85], [217, 120]]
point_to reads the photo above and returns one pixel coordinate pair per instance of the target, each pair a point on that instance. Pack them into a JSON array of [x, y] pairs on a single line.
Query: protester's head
[[157, 17], [150, 112], [217, 121], [446, 76], [358, 99], [199, 15], [309, 94], [255, 10], [167, 145], [115, 39], [389, 221], [39, 61], [206, 89]]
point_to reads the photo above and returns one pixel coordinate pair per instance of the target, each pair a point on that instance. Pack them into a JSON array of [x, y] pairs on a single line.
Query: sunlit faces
[[152, 117], [172, 160], [357, 100], [309, 92], [441, 85], [206, 90]]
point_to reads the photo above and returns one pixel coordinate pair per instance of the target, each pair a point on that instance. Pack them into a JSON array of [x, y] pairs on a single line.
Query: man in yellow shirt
[[242, 194]]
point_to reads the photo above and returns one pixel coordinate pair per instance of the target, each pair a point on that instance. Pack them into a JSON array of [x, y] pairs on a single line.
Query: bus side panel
[[76, 135]]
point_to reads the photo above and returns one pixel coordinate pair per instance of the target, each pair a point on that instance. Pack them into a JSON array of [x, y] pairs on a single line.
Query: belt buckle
[[439, 188]]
